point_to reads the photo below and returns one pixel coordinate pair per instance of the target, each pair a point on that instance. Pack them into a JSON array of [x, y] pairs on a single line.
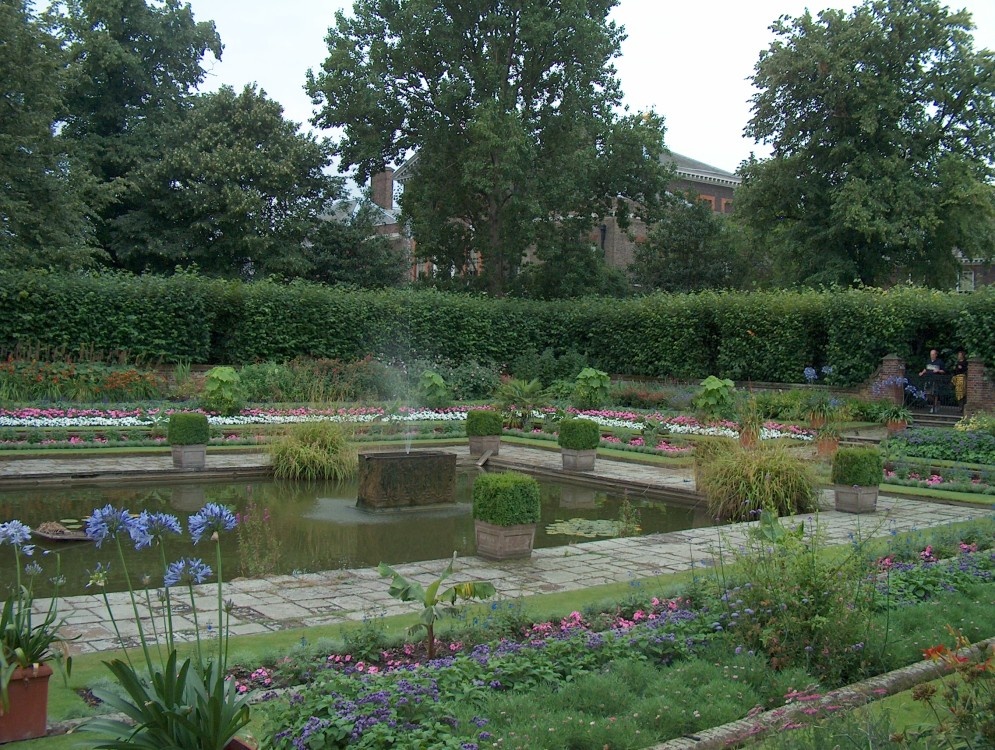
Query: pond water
[[315, 526]]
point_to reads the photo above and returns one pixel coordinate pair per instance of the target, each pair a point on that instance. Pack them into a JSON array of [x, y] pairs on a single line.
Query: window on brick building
[[727, 205], [966, 281], [709, 199]]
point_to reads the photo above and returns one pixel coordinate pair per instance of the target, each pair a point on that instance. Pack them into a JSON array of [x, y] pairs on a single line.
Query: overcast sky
[[689, 61]]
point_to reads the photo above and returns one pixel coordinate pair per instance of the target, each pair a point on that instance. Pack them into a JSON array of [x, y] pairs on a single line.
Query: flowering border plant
[[169, 701]]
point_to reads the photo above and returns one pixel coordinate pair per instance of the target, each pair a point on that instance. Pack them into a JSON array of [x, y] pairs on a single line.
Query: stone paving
[[337, 596]]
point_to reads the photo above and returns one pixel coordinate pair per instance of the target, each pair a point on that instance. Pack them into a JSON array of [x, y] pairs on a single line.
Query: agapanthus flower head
[[153, 527], [32, 569], [212, 518], [98, 576], [14, 533], [188, 571], [810, 374], [107, 523]]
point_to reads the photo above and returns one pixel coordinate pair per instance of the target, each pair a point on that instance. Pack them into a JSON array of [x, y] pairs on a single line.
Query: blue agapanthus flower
[[14, 533], [211, 519], [149, 527], [810, 374], [187, 571], [98, 576], [107, 523], [32, 569]]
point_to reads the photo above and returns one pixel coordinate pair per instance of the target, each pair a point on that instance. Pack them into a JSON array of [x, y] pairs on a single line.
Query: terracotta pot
[[826, 447], [26, 719], [241, 743], [896, 426]]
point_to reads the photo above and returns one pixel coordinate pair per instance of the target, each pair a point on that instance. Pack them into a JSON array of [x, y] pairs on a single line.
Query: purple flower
[[150, 527], [187, 571], [14, 533], [107, 522], [211, 519]]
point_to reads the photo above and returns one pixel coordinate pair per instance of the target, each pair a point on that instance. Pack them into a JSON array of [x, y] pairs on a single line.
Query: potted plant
[[27, 645], [895, 417], [857, 472], [578, 440], [188, 434], [827, 440], [820, 411], [505, 512], [483, 429]]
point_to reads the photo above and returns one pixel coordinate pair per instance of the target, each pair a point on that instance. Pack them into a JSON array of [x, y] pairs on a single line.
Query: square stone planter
[[574, 460], [190, 457], [480, 444], [504, 542], [856, 499]]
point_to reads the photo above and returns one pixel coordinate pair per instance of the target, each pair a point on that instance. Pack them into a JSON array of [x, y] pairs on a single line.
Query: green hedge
[[578, 434], [188, 428], [506, 499], [484, 423], [862, 467], [765, 336]]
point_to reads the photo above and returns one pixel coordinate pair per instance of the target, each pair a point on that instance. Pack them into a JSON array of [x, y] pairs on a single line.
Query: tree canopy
[[41, 217], [882, 123], [512, 107]]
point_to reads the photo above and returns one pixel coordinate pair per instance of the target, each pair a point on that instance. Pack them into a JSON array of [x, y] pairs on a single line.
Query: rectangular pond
[[314, 526]]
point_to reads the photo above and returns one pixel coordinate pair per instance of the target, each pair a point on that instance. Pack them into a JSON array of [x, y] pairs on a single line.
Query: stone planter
[[856, 499], [190, 457], [28, 714], [480, 444], [575, 460], [504, 542], [392, 479]]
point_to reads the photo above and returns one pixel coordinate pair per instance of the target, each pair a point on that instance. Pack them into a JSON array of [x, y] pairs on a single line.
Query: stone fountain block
[[406, 480]]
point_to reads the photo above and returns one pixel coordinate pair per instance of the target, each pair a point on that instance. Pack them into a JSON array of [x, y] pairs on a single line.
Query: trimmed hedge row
[[764, 336]]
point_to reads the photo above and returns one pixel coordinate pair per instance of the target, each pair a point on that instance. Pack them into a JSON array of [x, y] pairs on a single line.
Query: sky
[[691, 62]]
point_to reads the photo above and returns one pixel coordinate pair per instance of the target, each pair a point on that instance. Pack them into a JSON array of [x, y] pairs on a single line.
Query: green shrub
[[314, 450], [188, 428], [579, 434], [222, 392], [506, 499], [432, 390], [268, 382], [715, 398], [483, 422], [862, 467], [591, 389], [740, 483]]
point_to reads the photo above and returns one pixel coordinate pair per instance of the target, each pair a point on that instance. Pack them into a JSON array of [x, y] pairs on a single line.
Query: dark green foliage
[[857, 466], [506, 499], [222, 391], [186, 317], [188, 428], [578, 434], [483, 422], [944, 445]]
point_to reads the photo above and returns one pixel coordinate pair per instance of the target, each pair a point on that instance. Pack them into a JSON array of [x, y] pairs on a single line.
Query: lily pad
[[583, 527]]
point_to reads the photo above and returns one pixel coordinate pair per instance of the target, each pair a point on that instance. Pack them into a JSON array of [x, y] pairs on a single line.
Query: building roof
[[697, 171]]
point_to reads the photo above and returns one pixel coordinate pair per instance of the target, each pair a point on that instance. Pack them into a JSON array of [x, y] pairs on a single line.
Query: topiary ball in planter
[[483, 430], [857, 472], [578, 439], [506, 508], [188, 433]]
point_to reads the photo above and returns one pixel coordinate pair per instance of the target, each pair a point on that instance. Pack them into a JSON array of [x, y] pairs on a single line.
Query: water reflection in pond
[[318, 526]]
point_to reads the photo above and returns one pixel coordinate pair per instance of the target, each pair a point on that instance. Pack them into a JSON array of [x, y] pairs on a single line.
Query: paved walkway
[[337, 596]]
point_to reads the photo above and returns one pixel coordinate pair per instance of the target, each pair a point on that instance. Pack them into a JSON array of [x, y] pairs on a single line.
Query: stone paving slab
[[330, 597]]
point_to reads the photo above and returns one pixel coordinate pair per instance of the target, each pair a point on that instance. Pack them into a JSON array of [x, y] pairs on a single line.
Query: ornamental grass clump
[[857, 467], [312, 451], [506, 499], [739, 484], [188, 428]]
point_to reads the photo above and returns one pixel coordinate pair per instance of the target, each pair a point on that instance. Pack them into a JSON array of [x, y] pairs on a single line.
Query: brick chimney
[[383, 189]]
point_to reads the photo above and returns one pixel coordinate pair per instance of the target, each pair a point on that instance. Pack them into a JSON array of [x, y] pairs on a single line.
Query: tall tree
[[512, 108], [41, 217], [132, 68], [882, 123], [235, 189]]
